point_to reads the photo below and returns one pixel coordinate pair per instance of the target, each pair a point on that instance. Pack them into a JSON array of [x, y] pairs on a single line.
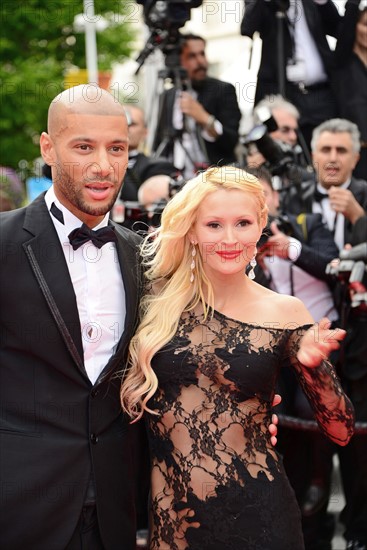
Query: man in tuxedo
[[294, 34], [335, 193], [70, 287], [74, 472], [342, 201], [199, 121]]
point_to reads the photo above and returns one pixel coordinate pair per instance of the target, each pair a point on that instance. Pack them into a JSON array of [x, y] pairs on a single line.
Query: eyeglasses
[[287, 129]]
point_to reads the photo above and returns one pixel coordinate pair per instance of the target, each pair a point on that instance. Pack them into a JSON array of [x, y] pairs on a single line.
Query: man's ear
[[47, 149]]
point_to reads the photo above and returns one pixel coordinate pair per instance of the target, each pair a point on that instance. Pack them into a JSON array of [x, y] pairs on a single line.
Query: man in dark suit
[[198, 124], [295, 54], [70, 287], [141, 166], [342, 201], [335, 193]]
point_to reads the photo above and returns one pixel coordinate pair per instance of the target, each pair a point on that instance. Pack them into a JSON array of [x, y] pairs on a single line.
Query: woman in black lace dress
[[204, 364]]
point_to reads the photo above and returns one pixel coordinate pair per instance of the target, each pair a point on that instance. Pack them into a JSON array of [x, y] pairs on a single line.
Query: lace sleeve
[[333, 410]]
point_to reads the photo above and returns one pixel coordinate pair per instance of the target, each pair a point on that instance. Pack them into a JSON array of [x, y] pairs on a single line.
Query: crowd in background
[[308, 147]]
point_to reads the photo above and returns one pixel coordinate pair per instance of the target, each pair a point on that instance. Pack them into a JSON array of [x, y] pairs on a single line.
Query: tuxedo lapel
[[47, 261]]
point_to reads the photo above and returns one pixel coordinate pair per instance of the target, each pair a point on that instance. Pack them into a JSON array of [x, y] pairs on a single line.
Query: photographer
[[342, 201], [295, 35], [199, 123], [274, 143], [293, 256], [352, 276]]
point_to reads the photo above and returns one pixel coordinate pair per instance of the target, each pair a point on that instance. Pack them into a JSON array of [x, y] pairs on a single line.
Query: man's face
[[193, 60], [287, 127], [334, 159], [88, 157], [137, 128]]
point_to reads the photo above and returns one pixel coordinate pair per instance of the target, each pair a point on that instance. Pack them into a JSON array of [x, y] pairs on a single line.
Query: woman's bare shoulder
[[281, 308]]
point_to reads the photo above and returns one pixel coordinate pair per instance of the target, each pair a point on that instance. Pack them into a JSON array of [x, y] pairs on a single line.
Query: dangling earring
[[192, 266], [251, 273]]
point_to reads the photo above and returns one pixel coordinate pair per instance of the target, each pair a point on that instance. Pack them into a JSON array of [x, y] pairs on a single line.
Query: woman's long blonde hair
[[167, 255]]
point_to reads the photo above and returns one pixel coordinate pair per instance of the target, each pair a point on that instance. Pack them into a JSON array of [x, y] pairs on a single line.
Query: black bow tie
[[318, 196], [83, 234]]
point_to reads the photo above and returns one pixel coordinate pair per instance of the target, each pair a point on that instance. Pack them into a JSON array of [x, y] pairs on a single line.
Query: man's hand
[[189, 106], [277, 244], [343, 201]]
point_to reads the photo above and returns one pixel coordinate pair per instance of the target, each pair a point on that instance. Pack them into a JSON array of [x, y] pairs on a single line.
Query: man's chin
[[332, 179], [198, 83]]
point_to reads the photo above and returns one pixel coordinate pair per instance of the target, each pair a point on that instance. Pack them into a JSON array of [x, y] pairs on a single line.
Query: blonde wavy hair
[[166, 254]]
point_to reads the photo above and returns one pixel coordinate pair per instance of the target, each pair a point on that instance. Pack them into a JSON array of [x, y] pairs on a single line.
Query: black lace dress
[[217, 483]]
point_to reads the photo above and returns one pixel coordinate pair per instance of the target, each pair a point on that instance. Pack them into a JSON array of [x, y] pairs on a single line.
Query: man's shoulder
[[12, 218], [356, 183], [211, 82], [359, 189], [130, 237]]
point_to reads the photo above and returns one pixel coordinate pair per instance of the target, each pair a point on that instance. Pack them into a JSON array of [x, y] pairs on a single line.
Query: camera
[[140, 217], [164, 18], [351, 270], [284, 225], [281, 158], [165, 14]]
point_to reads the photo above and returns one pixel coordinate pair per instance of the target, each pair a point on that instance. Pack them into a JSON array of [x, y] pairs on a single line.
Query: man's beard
[[198, 85], [75, 196]]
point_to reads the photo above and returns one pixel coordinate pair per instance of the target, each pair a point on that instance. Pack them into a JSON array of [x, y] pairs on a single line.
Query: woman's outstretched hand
[[273, 427], [318, 342]]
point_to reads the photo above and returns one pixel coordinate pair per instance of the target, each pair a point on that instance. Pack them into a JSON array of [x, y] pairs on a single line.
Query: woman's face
[[361, 31], [227, 231]]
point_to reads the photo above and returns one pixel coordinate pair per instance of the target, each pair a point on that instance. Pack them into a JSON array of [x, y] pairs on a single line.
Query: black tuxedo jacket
[[260, 16], [318, 246], [57, 429], [353, 363], [303, 200], [219, 99]]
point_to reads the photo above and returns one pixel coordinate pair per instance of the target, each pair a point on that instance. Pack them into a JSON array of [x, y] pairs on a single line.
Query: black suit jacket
[[219, 99], [260, 16], [56, 427], [302, 201], [352, 360], [318, 247]]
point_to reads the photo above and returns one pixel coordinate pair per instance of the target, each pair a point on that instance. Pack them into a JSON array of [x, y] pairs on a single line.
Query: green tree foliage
[[38, 45]]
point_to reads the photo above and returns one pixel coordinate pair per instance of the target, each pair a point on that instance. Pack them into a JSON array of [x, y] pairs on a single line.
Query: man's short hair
[[272, 102], [337, 126]]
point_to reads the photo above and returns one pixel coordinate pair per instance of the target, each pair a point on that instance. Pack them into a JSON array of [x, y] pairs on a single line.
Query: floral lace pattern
[[217, 482]]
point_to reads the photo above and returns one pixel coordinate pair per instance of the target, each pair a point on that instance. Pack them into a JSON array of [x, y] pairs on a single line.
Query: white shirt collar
[[70, 220]]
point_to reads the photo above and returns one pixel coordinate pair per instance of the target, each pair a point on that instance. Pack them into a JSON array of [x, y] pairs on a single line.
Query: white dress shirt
[[96, 277], [187, 151], [310, 68], [334, 221]]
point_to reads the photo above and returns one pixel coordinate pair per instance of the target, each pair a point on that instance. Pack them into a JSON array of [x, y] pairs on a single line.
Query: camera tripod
[[169, 141]]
